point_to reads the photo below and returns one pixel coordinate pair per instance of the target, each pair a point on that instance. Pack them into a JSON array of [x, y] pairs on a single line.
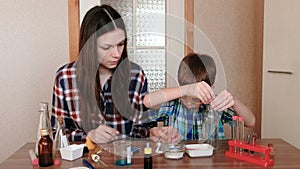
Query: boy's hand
[[223, 101], [200, 90]]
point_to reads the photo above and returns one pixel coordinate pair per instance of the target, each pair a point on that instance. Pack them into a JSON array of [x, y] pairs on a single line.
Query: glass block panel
[[130, 52], [150, 23], [153, 63], [125, 8]]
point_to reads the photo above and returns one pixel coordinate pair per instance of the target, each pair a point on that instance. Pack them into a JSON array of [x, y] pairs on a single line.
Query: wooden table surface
[[287, 156]]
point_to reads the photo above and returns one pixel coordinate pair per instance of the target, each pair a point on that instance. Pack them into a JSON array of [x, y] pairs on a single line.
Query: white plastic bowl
[[71, 152], [199, 150]]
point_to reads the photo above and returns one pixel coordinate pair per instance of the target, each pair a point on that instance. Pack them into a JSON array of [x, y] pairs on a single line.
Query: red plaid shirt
[[66, 101]]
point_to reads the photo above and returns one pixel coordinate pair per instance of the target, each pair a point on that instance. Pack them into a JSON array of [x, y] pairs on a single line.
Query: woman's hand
[[223, 101], [103, 134], [165, 134]]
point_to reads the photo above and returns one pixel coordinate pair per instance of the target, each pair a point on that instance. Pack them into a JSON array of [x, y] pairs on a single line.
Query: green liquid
[[121, 162]]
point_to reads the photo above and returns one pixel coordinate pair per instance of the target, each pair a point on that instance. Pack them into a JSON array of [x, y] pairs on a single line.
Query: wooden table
[[287, 156]]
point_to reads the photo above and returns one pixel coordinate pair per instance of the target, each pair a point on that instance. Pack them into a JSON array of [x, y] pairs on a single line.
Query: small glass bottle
[[211, 126], [44, 123], [45, 149], [147, 157], [159, 143], [60, 139]]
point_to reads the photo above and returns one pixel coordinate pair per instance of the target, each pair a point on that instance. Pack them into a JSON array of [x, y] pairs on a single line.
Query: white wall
[[233, 27], [175, 39], [85, 5], [34, 43], [281, 53]]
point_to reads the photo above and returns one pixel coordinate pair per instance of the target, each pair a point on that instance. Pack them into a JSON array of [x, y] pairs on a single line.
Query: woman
[[101, 92]]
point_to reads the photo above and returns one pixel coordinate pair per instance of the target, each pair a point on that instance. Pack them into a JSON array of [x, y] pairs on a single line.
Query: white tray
[[199, 150]]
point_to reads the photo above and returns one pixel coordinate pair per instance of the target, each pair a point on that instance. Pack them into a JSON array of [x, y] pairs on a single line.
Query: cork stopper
[[160, 124], [60, 120], [44, 106]]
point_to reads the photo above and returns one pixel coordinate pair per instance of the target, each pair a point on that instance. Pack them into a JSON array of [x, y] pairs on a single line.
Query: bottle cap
[[241, 118], [147, 149], [44, 132]]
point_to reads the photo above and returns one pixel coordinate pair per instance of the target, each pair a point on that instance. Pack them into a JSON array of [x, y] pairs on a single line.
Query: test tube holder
[[234, 152]]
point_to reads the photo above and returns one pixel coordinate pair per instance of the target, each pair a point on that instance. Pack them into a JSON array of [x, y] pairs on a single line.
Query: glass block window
[[145, 23]]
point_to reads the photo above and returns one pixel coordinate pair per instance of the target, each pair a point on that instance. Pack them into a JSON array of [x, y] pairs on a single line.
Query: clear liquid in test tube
[[235, 131], [235, 128], [241, 130], [171, 125]]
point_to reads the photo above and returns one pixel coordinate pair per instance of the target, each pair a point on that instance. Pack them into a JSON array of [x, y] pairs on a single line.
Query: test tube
[[248, 141], [171, 124], [241, 130], [253, 142], [235, 133], [34, 160], [235, 130]]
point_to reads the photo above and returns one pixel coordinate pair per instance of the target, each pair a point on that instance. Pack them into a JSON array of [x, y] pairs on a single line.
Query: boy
[[186, 103]]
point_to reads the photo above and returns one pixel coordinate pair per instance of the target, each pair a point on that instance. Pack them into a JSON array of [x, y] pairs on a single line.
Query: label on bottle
[[45, 159], [128, 155]]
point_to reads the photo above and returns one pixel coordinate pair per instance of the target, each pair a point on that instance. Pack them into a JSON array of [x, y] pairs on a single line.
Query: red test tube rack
[[252, 158]]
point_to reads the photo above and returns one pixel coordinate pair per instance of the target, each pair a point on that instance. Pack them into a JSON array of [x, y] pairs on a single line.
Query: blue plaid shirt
[[188, 121], [65, 101]]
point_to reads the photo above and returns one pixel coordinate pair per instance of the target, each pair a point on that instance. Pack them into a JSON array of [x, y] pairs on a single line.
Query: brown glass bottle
[[147, 157], [45, 149]]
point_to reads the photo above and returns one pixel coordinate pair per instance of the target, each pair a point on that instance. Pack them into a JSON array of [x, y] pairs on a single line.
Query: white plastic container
[[199, 150], [71, 152]]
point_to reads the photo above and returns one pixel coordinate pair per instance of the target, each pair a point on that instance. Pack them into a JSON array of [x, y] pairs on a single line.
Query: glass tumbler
[[122, 152]]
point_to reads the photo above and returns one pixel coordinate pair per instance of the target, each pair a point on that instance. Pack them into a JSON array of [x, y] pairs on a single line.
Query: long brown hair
[[97, 21]]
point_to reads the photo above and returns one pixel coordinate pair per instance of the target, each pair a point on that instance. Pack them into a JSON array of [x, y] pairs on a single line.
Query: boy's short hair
[[196, 68]]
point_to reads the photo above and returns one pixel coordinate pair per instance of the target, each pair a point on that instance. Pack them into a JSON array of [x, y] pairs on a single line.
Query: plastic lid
[[147, 149], [235, 117], [241, 118]]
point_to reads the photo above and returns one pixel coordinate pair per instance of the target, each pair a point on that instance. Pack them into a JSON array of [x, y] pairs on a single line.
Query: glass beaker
[[122, 152]]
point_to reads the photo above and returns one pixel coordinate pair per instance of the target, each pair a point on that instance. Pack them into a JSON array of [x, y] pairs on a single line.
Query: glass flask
[[211, 126]]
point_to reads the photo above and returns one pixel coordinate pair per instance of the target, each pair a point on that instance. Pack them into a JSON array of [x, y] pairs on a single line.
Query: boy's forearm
[[161, 96], [242, 110]]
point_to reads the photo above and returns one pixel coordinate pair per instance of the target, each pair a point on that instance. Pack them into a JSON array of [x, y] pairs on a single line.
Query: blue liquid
[[121, 162]]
